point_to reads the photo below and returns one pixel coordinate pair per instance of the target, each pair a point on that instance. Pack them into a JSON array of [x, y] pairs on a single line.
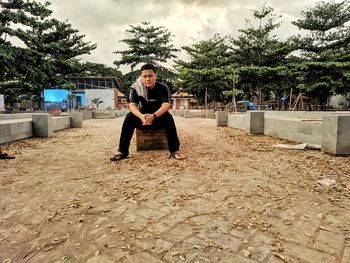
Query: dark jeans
[[165, 122]]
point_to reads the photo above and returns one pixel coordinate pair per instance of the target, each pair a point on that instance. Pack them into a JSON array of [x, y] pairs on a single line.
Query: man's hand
[[148, 119], [144, 120]]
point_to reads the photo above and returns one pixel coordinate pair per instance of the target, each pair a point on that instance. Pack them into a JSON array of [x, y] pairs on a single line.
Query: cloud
[[105, 22]]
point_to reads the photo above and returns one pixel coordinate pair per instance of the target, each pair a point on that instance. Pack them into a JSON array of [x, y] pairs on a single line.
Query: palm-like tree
[[97, 101]]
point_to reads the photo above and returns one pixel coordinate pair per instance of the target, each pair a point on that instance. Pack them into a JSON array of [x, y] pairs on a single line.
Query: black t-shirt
[[156, 96]]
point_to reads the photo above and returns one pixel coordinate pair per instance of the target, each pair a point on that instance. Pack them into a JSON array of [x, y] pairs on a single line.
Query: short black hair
[[149, 66]]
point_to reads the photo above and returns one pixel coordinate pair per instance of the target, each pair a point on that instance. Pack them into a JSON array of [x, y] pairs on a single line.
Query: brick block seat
[[151, 140]]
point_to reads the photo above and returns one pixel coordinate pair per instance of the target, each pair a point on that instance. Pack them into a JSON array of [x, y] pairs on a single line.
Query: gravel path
[[234, 199]]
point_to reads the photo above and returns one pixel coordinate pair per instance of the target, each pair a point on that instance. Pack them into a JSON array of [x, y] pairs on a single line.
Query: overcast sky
[[105, 22]]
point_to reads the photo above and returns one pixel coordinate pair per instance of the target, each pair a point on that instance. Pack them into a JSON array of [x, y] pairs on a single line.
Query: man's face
[[148, 78]]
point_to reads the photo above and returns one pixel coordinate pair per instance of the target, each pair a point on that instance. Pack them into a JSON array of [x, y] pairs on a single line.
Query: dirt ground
[[234, 199]]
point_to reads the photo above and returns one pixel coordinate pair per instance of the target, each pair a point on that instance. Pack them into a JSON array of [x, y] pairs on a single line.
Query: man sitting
[[149, 109]]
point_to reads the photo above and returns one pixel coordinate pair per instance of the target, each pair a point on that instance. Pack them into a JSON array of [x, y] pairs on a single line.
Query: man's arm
[[163, 109], [165, 102], [134, 108]]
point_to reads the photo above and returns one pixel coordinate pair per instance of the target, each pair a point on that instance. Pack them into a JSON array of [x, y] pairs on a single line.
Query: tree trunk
[[260, 95], [234, 106], [206, 98]]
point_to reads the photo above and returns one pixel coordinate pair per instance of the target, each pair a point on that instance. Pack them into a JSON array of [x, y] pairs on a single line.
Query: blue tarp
[[54, 98]]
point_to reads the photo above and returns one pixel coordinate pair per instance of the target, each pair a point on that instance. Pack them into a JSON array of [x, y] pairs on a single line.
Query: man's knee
[[131, 119], [168, 117], [168, 122]]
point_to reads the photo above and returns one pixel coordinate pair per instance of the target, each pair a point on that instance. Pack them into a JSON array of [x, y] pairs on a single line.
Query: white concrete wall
[[60, 123], [103, 114], [2, 103], [209, 114], [289, 126], [194, 113], [106, 95], [294, 130], [12, 130], [336, 134], [16, 126], [237, 121], [15, 116], [303, 114]]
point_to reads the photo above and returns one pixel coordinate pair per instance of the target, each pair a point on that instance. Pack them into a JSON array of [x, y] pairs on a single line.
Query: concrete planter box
[[336, 134], [12, 130], [210, 114], [38, 124], [60, 123], [15, 116], [87, 114], [194, 114], [103, 114], [294, 130], [236, 121], [120, 112], [221, 118]]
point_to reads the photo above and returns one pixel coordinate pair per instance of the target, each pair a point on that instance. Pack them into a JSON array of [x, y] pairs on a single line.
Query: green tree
[[258, 52], [16, 61], [325, 51], [148, 44], [233, 93], [208, 71], [48, 46]]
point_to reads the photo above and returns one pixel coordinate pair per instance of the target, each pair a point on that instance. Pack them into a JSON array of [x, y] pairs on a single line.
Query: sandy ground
[[234, 199]]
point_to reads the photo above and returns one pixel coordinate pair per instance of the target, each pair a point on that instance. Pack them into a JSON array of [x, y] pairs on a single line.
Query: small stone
[[275, 248], [326, 182], [246, 253], [250, 248]]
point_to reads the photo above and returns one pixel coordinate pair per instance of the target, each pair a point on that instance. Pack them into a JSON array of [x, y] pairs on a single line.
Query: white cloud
[[105, 22]]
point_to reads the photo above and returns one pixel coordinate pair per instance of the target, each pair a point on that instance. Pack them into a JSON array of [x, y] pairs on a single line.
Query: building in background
[[183, 100], [85, 89]]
